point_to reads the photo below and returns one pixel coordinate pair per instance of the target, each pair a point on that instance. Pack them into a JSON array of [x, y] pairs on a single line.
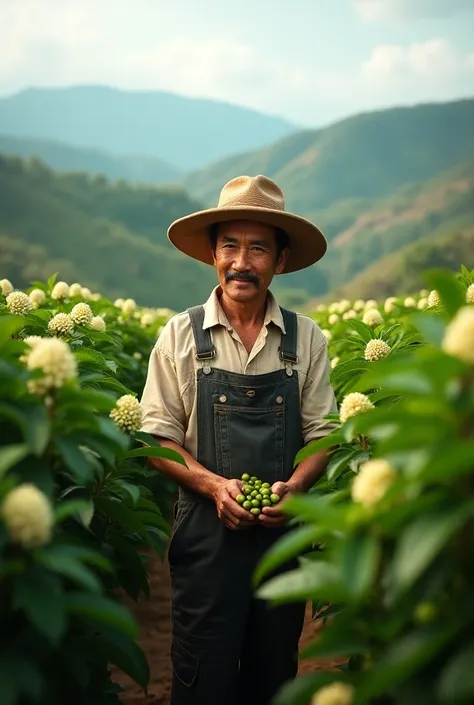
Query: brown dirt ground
[[154, 620]]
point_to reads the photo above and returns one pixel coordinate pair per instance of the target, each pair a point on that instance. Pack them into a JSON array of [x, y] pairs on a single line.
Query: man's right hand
[[229, 511]]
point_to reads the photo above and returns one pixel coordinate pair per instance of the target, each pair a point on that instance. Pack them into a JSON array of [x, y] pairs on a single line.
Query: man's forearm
[[308, 472], [195, 477]]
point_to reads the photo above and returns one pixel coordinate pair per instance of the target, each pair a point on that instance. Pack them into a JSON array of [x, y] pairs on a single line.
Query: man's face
[[246, 259]]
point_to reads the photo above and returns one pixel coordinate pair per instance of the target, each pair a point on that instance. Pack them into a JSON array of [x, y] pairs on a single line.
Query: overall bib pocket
[[238, 431]]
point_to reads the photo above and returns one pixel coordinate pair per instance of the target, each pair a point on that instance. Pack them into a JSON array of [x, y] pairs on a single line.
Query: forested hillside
[[109, 237], [367, 156], [64, 157]]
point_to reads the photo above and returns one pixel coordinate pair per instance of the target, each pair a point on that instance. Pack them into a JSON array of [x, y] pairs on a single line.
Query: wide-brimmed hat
[[256, 198]]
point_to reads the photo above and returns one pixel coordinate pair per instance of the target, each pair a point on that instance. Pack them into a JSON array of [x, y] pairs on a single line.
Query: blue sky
[[311, 61]]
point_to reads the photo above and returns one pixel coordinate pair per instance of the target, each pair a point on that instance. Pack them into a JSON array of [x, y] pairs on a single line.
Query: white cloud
[[387, 10], [431, 59]]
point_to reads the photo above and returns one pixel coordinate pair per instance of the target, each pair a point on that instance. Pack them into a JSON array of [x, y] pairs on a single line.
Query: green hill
[[416, 212], [183, 131], [110, 237], [63, 157], [403, 273], [363, 157]]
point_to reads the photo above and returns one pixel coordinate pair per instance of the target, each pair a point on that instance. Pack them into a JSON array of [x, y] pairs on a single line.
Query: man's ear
[[282, 259]]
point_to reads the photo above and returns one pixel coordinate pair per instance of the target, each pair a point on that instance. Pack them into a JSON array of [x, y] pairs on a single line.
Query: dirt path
[[153, 617]]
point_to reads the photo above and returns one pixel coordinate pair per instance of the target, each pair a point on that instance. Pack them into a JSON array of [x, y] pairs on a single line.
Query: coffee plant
[[390, 524]]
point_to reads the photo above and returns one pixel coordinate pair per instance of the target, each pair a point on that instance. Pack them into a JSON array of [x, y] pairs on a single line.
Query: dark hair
[[282, 240]]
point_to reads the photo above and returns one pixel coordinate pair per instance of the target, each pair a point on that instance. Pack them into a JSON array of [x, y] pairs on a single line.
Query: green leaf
[[365, 331], [420, 543], [125, 655], [56, 552], [9, 325], [359, 559], [118, 512], [318, 510], [74, 458], [315, 580], [89, 355], [157, 452], [51, 282], [332, 439], [71, 508], [457, 678], [289, 546], [103, 610], [40, 596], [451, 292], [431, 327], [132, 490], [10, 456], [145, 438], [72, 569], [340, 462], [33, 421]]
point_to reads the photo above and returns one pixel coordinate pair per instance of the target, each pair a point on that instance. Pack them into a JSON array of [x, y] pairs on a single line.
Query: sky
[[310, 61]]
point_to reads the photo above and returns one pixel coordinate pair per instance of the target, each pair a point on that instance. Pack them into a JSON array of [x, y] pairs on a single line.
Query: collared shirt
[[169, 397]]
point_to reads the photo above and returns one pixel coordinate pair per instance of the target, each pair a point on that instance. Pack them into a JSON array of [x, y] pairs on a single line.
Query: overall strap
[[289, 341], [205, 349]]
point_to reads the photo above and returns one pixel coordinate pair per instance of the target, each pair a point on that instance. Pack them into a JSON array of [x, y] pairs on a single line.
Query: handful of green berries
[[256, 494]]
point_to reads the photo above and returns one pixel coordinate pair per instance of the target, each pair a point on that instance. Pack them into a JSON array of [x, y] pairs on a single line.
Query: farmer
[[237, 385]]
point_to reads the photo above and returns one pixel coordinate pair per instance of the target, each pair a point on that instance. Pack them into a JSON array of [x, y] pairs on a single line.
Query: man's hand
[[273, 516], [228, 509]]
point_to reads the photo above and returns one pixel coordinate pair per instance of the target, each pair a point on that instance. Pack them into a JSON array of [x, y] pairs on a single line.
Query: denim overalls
[[228, 647]]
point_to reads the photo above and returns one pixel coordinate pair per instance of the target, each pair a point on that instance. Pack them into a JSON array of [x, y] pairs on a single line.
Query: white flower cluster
[[434, 299], [422, 303], [359, 305], [333, 319], [6, 287], [19, 303], [55, 360], [81, 314], [410, 302], [374, 479], [127, 413], [61, 324], [146, 319], [353, 404], [470, 294], [28, 516], [376, 349], [129, 306], [372, 317], [458, 338], [327, 333], [390, 304], [370, 303], [349, 314], [60, 290], [336, 693], [98, 323], [37, 296], [335, 361], [75, 290]]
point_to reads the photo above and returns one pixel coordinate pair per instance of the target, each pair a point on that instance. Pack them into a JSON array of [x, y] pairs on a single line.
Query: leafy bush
[[393, 516], [79, 510]]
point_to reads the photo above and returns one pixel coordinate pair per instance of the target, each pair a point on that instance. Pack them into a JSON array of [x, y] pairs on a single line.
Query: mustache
[[243, 277]]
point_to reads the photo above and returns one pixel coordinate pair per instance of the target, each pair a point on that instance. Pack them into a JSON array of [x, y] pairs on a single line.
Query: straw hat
[[256, 198]]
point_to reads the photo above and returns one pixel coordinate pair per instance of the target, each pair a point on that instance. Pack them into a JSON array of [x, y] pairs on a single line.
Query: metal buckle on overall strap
[[289, 360], [205, 355]]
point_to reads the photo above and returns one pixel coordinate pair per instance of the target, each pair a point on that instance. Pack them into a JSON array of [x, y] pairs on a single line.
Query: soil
[[154, 619]]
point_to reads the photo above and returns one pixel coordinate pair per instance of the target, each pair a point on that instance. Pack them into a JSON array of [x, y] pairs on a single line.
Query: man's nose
[[241, 261]]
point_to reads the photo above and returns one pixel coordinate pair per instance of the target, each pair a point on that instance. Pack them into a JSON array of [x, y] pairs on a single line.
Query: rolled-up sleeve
[[318, 398], [161, 402]]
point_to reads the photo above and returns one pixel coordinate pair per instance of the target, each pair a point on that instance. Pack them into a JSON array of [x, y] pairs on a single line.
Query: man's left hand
[[273, 516]]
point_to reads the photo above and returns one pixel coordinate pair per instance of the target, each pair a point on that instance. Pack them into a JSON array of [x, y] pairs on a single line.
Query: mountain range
[[388, 188], [184, 132]]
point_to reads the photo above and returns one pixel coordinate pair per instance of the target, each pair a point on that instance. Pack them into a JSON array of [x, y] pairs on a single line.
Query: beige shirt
[[169, 396]]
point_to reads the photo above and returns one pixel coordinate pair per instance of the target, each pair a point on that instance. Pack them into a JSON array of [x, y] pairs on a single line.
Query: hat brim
[[190, 234]]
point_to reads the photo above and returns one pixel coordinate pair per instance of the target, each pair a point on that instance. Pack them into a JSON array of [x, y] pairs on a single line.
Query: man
[[238, 385]]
